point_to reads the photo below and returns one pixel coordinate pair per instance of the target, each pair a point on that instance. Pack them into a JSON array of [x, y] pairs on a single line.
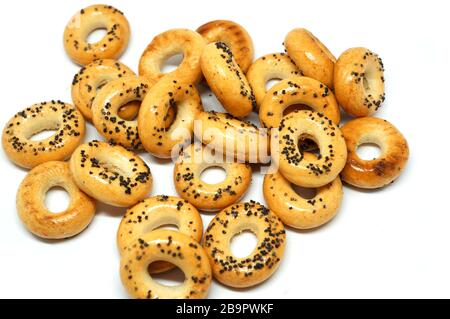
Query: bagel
[[64, 118], [233, 137], [296, 211], [359, 82], [305, 169], [155, 212], [168, 44], [167, 246], [234, 35], [106, 106], [89, 19], [387, 167], [265, 258], [310, 55], [270, 67], [110, 174], [164, 95], [226, 79], [209, 197], [34, 214], [294, 91], [88, 81]]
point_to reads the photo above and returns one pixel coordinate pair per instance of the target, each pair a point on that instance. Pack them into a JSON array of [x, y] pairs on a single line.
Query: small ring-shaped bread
[[106, 107], [209, 197], [168, 44], [168, 93], [226, 80], [265, 258], [64, 119], [310, 55], [166, 246], [110, 174], [234, 35], [296, 211], [35, 215], [359, 82], [293, 91], [155, 212], [91, 78], [276, 66], [306, 169], [89, 19], [387, 167]]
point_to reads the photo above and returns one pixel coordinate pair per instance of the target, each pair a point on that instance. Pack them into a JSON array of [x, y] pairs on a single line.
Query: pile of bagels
[[155, 112]]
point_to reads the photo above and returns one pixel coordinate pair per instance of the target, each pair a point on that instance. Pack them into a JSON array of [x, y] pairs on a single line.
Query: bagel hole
[[213, 175], [172, 278], [307, 145], [303, 192], [57, 200], [368, 151], [100, 85], [243, 244], [96, 35], [130, 110], [168, 227], [297, 107], [172, 63], [39, 136], [271, 83], [170, 117]]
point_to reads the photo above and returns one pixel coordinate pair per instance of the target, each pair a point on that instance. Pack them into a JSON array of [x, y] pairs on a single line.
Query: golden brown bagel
[[91, 78], [310, 55], [359, 82], [233, 137], [106, 107], [110, 174], [168, 93], [233, 35], [55, 115], [262, 262], [89, 19], [270, 67], [306, 169], [382, 170], [168, 44], [226, 79], [155, 212], [210, 197], [296, 211], [34, 214], [293, 91], [167, 246]]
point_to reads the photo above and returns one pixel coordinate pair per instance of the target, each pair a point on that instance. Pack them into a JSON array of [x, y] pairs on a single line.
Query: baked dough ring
[[310, 55], [233, 137], [106, 106], [306, 169], [210, 197], [168, 44], [382, 170], [110, 174], [168, 246], [299, 90], [226, 80], [55, 115], [34, 214], [166, 94], [155, 212], [88, 81], [359, 82], [296, 211], [234, 35], [265, 258], [89, 19], [270, 67]]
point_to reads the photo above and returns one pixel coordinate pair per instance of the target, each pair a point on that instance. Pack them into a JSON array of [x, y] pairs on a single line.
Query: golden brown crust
[[111, 46], [64, 118], [382, 170], [35, 215]]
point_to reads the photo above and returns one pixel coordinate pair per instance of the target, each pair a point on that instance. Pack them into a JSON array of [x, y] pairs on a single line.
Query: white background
[[388, 243]]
